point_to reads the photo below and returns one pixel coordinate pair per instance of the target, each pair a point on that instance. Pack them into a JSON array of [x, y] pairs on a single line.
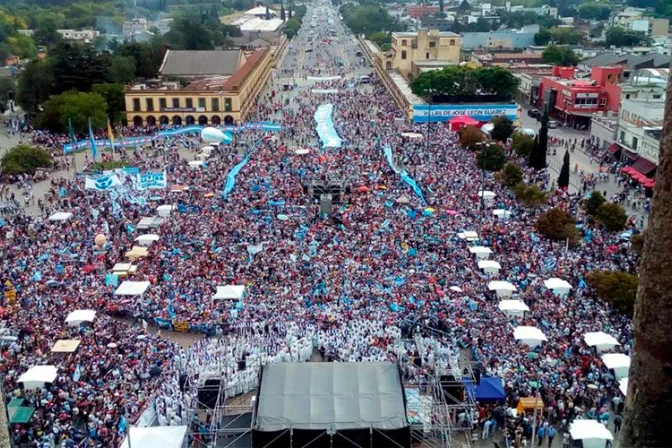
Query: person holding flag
[[110, 136], [92, 142]]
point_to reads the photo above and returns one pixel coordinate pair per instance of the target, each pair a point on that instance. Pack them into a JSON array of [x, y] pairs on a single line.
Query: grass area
[[230, 18]]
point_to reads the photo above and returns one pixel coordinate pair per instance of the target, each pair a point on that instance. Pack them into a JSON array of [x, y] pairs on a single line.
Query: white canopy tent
[[501, 213], [515, 308], [38, 376], [78, 316], [559, 286], [164, 210], [489, 266], [147, 240], [591, 433], [229, 292], [61, 216], [131, 288], [455, 288], [148, 222], [503, 289], [481, 252], [531, 336], [486, 194], [195, 164], [618, 362], [623, 386], [600, 340], [468, 235], [65, 346], [155, 437]]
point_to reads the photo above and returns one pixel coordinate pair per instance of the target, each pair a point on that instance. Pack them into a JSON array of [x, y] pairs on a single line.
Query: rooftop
[[630, 60], [405, 89], [200, 63], [415, 34], [257, 24], [499, 57]]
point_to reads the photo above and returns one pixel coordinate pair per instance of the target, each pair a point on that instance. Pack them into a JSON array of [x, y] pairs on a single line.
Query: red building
[[575, 100], [421, 10]]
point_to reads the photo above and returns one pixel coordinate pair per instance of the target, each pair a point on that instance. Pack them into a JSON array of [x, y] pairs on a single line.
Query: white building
[[87, 36], [639, 129]]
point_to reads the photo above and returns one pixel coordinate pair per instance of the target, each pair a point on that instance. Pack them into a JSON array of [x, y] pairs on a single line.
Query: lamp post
[[430, 94]]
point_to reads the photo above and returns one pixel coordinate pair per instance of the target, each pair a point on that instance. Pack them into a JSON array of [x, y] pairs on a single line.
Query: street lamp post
[[430, 94]]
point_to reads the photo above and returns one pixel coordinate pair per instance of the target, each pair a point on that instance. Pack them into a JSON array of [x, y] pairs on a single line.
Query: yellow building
[[223, 88], [423, 45]]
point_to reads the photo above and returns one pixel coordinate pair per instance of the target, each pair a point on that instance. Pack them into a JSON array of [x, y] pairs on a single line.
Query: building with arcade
[[201, 87]]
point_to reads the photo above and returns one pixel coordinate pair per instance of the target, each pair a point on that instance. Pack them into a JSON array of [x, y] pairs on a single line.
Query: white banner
[[323, 78], [325, 91], [102, 183], [151, 181]]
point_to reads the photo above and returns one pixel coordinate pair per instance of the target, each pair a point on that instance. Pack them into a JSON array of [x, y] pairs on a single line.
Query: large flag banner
[[92, 142], [110, 135], [151, 181], [102, 183]]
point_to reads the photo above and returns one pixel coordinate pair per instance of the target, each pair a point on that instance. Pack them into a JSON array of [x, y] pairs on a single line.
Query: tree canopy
[[557, 225], [491, 158], [620, 37], [594, 11], [522, 143], [367, 19], [25, 159], [75, 106], [458, 82], [619, 288], [554, 54], [503, 128]]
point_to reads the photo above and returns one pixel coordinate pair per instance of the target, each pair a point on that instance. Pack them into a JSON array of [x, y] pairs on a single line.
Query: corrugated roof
[[239, 76], [200, 63], [630, 60]]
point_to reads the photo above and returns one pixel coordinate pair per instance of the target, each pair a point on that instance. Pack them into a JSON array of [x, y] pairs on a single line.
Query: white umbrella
[[591, 432], [195, 164], [618, 362], [501, 213], [602, 341], [302, 151], [455, 288], [481, 252], [513, 307], [489, 266], [486, 194], [503, 289], [558, 286], [531, 336]]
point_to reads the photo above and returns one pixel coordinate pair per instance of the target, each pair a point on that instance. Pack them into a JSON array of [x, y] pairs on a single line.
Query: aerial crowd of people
[[353, 285]]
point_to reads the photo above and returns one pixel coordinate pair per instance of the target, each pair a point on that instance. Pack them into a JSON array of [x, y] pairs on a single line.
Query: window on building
[[136, 104], [626, 75], [432, 44], [162, 103], [403, 54], [635, 142], [627, 96], [190, 103], [403, 43], [603, 102], [622, 139], [201, 103], [227, 104], [452, 41], [215, 104], [176, 103], [150, 104], [427, 55], [656, 97]]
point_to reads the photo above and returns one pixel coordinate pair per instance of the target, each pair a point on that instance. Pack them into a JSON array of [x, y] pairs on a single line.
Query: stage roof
[[337, 395]]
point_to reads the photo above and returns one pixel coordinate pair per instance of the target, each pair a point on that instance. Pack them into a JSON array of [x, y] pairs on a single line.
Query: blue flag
[[92, 141]]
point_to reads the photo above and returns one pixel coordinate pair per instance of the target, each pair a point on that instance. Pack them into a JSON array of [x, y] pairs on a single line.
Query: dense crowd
[[352, 286]]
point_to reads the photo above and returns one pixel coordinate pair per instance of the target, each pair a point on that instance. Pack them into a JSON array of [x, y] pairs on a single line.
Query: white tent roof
[[486, 194], [616, 360], [589, 429], [484, 264], [149, 222], [557, 283], [623, 386], [167, 207], [513, 305], [78, 316], [122, 267], [501, 212], [60, 216], [480, 250], [498, 285], [155, 437], [131, 288], [455, 288], [468, 235], [150, 237], [229, 292], [196, 163], [38, 375], [529, 333], [600, 338]]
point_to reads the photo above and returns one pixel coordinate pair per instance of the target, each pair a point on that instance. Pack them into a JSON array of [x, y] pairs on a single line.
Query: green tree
[[617, 287], [511, 175], [76, 106], [457, 81], [529, 195], [113, 94], [147, 57], [620, 37], [543, 37], [187, 34], [25, 159], [522, 144], [554, 54], [611, 216], [77, 66], [593, 202], [637, 242], [36, 83], [471, 137], [537, 158], [491, 158], [7, 92], [292, 27], [563, 178], [282, 11], [122, 69], [594, 11], [567, 36], [380, 38], [503, 128], [46, 32], [557, 225], [365, 19], [22, 46]]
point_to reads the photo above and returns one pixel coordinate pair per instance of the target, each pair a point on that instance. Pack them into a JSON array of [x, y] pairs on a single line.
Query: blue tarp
[[490, 389]]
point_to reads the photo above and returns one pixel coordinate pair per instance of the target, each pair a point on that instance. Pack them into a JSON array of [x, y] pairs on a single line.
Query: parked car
[[534, 113], [552, 124]]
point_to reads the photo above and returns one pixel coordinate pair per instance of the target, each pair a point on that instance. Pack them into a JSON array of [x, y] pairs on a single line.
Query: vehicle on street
[[534, 113], [552, 124]]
